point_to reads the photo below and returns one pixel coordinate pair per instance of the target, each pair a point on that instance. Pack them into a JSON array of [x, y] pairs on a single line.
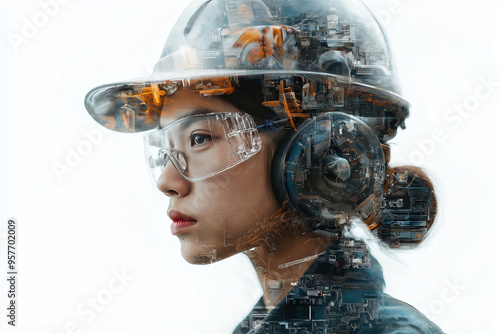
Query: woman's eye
[[199, 139]]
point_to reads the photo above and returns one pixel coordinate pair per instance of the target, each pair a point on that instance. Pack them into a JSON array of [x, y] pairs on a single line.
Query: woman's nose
[[172, 183]]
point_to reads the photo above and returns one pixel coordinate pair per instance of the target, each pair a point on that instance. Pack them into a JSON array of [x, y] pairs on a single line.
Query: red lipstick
[[180, 222]]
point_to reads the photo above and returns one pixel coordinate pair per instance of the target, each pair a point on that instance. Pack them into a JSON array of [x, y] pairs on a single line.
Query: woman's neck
[[283, 260]]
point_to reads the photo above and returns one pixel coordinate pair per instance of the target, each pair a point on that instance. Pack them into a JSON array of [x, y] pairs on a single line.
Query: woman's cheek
[[205, 195], [226, 187], [199, 203]]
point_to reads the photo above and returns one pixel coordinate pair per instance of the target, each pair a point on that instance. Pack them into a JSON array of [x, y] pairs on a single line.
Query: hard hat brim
[[136, 105]]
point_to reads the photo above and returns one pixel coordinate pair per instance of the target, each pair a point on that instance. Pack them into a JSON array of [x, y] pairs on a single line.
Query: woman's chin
[[198, 254]]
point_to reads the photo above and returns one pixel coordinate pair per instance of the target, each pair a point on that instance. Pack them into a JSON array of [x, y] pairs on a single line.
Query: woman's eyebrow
[[197, 111]]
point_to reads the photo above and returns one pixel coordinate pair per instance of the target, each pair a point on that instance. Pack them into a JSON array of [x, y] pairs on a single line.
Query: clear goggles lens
[[202, 145]]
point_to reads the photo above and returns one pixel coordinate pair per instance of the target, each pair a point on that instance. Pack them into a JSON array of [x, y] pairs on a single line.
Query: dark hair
[[248, 97]]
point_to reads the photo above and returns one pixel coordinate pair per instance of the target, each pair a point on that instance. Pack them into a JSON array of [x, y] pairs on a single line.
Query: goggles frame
[[239, 128]]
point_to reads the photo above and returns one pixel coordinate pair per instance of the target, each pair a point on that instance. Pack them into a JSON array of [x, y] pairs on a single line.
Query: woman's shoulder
[[394, 317], [398, 317], [341, 292]]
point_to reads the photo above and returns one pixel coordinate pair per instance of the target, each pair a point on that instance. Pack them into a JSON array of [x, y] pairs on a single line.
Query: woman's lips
[[180, 222], [180, 226]]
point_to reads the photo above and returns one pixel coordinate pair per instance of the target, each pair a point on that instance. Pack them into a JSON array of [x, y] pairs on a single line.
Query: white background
[[102, 215]]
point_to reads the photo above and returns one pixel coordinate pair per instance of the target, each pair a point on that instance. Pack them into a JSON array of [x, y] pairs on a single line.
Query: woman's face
[[212, 216]]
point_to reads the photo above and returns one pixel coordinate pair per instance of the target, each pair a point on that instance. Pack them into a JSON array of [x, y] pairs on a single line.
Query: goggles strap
[[270, 126]]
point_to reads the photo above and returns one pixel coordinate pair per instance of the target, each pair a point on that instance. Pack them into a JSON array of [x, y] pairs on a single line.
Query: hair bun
[[408, 209]]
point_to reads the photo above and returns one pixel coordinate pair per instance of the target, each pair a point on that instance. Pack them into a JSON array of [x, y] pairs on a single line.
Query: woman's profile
[[266, 124]]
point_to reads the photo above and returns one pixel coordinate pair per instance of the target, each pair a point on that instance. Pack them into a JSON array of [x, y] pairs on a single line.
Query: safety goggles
[[202, 145]]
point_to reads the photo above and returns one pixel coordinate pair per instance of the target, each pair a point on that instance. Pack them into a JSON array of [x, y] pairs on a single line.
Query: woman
[[270, 124]]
